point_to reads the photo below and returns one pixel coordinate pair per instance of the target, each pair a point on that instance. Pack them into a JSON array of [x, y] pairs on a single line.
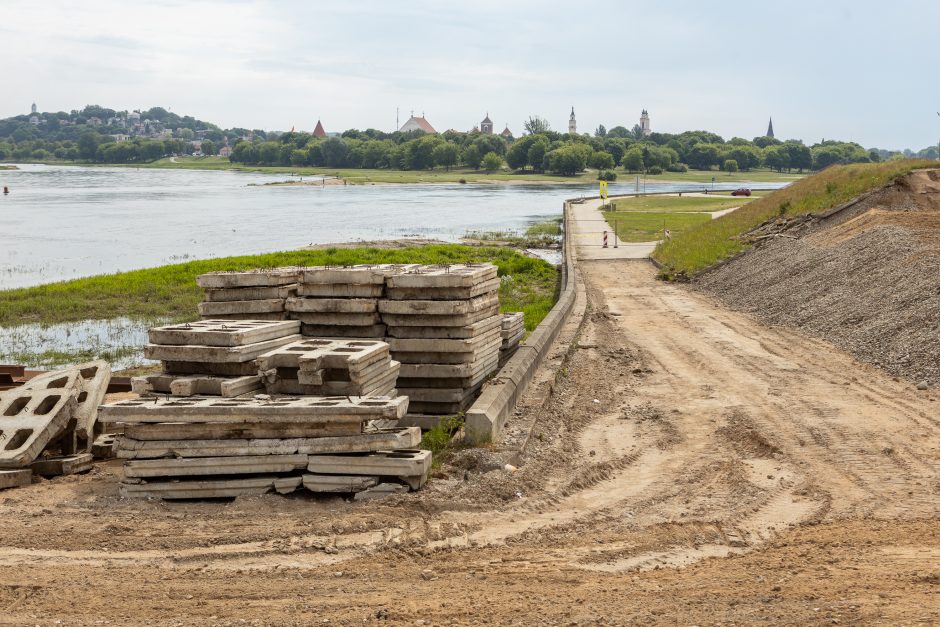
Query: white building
[[645, 123], [572, 123]]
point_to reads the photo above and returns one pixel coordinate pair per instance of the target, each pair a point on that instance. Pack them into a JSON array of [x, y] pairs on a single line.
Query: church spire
[[770, 128]]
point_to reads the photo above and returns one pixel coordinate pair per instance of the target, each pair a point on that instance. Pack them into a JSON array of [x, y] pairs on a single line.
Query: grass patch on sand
[[170, 292], [690, 252], [647, 226], [545, 234]]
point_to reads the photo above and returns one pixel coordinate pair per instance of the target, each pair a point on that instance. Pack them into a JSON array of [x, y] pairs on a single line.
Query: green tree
[[633, 159], [208, 147], [602, 161], [537, 151], [472, 157], [445, 154], [601, 131], [730, 165], [492, 162], [88, 144], [777, 158], [703, 156], [568, 160], [518, 154], [535, 125]]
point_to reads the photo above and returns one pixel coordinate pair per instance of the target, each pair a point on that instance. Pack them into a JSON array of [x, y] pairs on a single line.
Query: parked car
[[742, 191]]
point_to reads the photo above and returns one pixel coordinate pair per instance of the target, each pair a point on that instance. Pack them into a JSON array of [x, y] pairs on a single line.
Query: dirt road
[[692, 467]]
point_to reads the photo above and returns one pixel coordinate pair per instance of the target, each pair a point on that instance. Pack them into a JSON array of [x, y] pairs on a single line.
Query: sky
[[857, 70]]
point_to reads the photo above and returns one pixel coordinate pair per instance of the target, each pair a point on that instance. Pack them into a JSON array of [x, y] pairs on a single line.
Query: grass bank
[[539, 235], [674, 203], [705, 176], [696, 249], [170, 292]]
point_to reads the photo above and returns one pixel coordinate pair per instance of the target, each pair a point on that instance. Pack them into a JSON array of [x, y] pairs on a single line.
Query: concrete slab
[[447, 333], [337, 319], [338, 483], [384, 373], [30, 419], [439, 395], [321, 353], [438, 409], [341, 290], [67, 465], [227, 387], [200, 489], [404, 463], [353, 275], [207, 466], [215, 354], [383, 440], [512, 320], [233, 431], [440, 307], [247, 368], [437, 345], [442, 293], [445, 371], [222, 332], [257, 317], [374, 331], [332, 305], [380, 491], [478, 354], [252, 410], [286, 485], [250, 293], [454, 275], [249, 278], [429, 320], [91, 382], [227, 308], [15, 478]]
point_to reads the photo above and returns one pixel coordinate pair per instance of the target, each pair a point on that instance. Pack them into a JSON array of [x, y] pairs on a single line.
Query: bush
[[678, 167], [492, 162], [655, 170], [730, 165], [607, 175]]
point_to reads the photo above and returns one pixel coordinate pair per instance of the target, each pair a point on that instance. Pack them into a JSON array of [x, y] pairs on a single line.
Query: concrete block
[[207, 466], [442, 293], [103, 446], [222, 332], [482, 353], [257, 317], [374, 331], [440, 307], [67, 465], [15, 478], [337, 319], [446, 371], [404, 463], [227, 387], [447, 333], [332, 305], [30, 419], [381, 440], [355, 275], [318, 354], [215, 354], [200, 489], [250, 293], [437, 345], [513, 320], [233, 431], [455, 275], [338, 483], [253, 410], [272, 305], [439, 395], [341, 290], [249, 278], [206, 368], [429, 320]]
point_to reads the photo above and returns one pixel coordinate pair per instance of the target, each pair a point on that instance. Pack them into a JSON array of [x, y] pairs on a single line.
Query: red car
[[743, 191]]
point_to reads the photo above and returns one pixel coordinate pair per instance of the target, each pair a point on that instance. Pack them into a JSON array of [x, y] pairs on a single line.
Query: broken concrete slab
[[332, 305], [380, 491], [286, 485], [232, 431], [103, 446], [440, 307], [429, 320], [67, 465], [376, 331], [403, 463], [200, 489], [178, 368], [227, 308], [207, 466], [222, 332], [253, 410], [15, 478], [442, 293], [249, 278], [193, 385], [30, 419], [387, 439], [338, 483], [91, 384], [215, 354], [447, 333], [250, 293], [454, 275]]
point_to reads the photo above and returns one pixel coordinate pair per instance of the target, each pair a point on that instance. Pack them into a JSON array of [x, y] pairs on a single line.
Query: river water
[[63, 222]]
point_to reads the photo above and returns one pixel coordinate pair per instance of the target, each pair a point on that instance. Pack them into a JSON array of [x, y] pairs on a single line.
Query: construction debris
[[212, 357], [255, 445]]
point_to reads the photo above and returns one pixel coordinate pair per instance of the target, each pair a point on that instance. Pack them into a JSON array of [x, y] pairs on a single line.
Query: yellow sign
[[604, 190]]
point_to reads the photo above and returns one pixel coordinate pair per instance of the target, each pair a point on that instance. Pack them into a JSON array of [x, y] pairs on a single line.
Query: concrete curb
[[486, 418]]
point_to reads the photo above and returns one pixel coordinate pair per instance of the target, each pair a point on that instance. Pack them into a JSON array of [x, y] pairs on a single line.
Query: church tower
[[572, 123], [33, 109], [486, 126], [770, 128], [645, 123]]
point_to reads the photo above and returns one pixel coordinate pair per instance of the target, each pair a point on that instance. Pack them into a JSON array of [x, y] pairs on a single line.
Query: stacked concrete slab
[[212, 357], [445, 329], [341, 301], [512, 332], [205, 447], [48, 425], [329, 367], [248, 295]]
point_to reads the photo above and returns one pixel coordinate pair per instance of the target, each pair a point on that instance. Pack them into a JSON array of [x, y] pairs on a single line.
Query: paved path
[[588, 226]]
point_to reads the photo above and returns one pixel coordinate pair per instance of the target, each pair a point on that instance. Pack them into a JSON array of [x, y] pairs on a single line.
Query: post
[[605, 240], [616, 232]]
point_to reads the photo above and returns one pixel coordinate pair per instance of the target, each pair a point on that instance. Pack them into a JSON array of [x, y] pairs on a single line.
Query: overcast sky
[[859, 70]]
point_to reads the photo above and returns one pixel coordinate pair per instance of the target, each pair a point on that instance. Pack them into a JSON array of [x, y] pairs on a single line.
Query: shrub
[[492, 162], [655, 170], [730, 165], [607, 175], [678, 167]]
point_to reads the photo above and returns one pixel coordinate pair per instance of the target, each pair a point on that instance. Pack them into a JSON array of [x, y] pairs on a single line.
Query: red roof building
[[417, 124], [318, 131]]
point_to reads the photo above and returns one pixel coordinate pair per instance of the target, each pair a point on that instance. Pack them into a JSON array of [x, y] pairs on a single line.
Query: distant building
[[486, 126], [94, 121], [34, 120], [645, 123], [572, 123], [417, 124], [119, 137], [225, 151], [32, 109], [318, 130], [770, 128], [506, 132]]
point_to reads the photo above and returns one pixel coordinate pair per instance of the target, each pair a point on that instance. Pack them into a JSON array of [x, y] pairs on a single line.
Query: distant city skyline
[[853, 72]]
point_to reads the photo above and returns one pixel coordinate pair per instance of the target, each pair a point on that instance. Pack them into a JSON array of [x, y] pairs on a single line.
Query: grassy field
[[696, 249], [170, 292], [676, 203], [647, 226], [705, 176]]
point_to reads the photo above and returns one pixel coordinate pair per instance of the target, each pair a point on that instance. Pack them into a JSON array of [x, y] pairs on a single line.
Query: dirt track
[[728, 473]]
